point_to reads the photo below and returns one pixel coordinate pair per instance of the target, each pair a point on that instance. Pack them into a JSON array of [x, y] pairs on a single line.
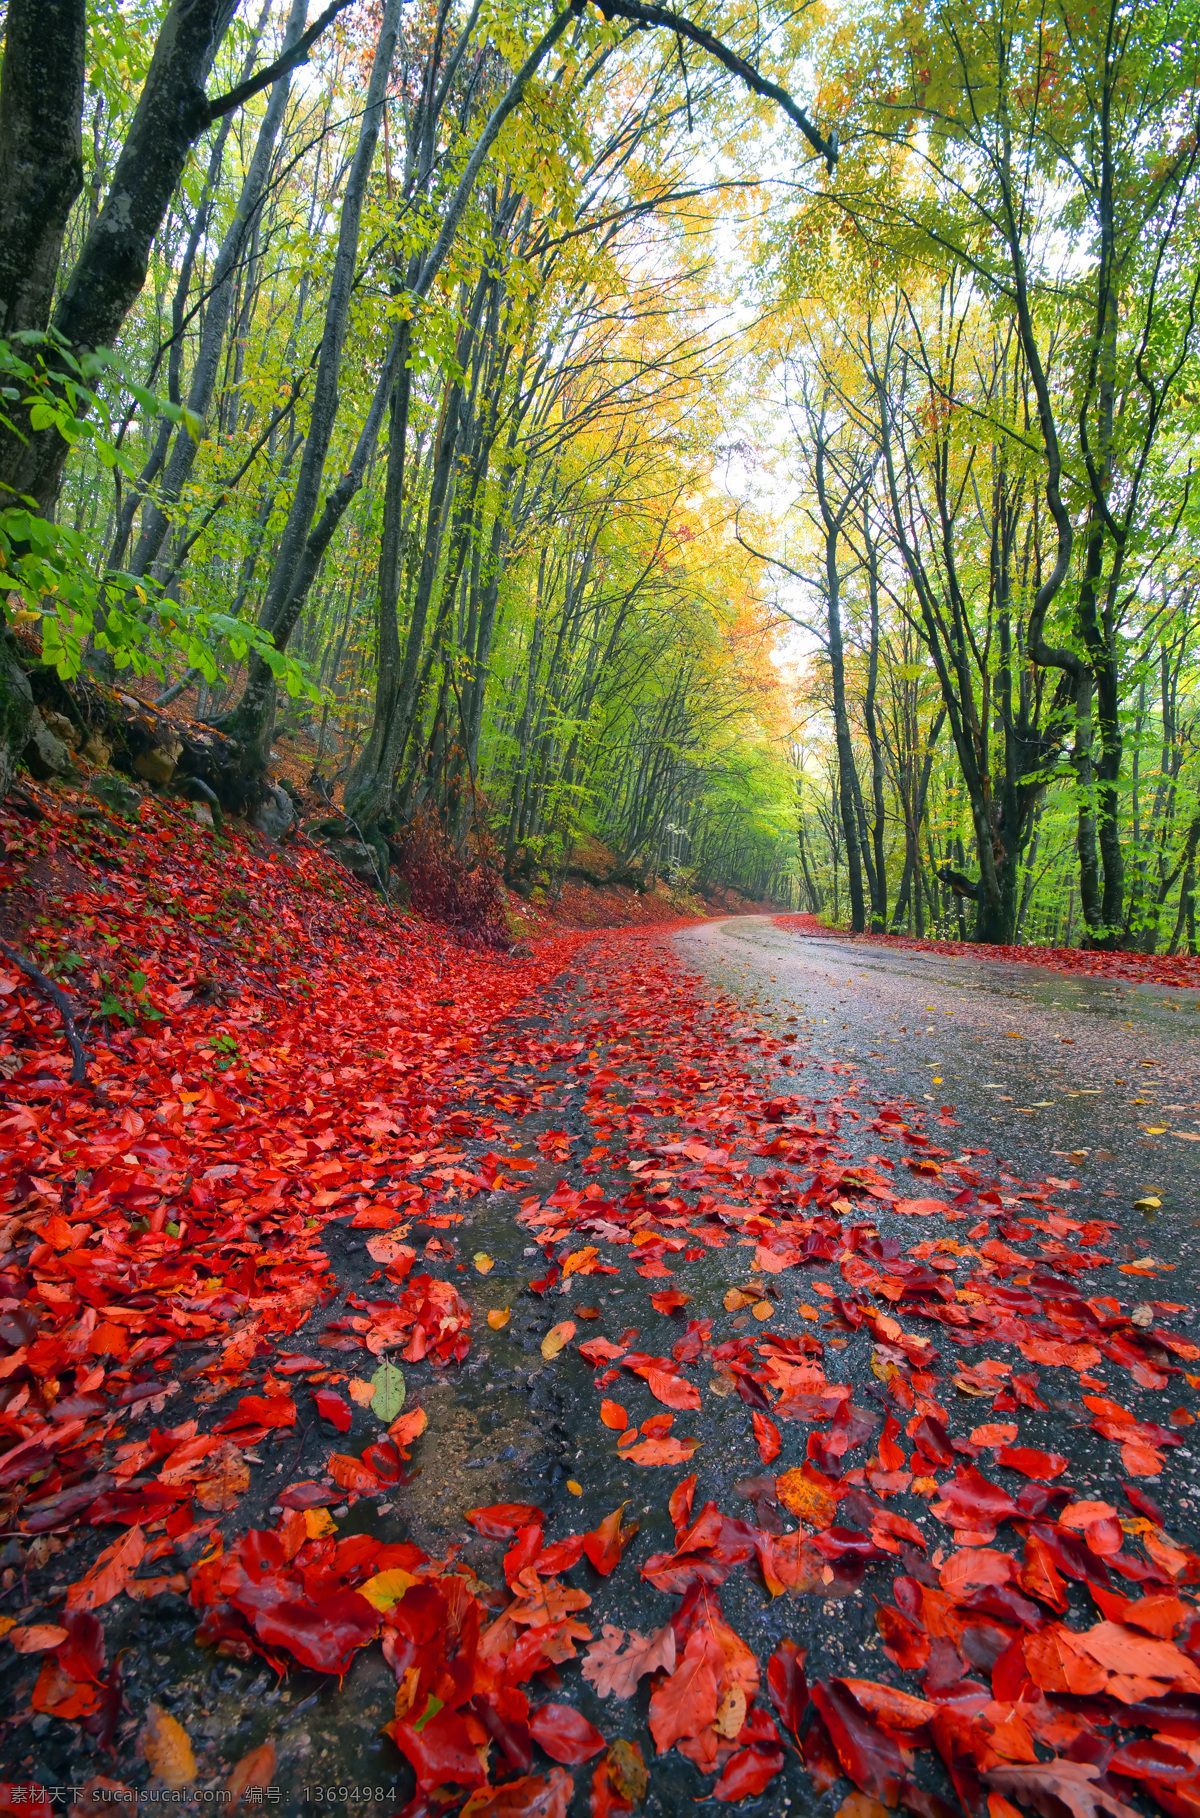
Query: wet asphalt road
[[993, 1036], [930, 1028]]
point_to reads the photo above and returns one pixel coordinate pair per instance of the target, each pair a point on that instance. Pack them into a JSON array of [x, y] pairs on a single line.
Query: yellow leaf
[[762, 1309], [1147, 1204], [576, 1489], [386, 1588], [557, 1337], [361, 1391], [166, 1747], [1156, 1129], [483, 1262], [737, 1298], [319, 1523], [498, 1317], [7, 1623]]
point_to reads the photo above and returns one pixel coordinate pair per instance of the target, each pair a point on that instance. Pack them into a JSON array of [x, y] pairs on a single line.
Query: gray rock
[[358, 859], [398, 891], [45, 754], [117, 794], [277, 815]]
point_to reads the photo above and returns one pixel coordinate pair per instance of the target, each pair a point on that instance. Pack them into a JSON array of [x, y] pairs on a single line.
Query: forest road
[[1096, 1078]]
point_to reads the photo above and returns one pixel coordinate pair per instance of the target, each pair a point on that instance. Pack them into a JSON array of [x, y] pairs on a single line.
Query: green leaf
[[388, 1399]]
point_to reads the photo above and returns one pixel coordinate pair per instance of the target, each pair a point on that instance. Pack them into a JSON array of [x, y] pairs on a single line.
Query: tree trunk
[[172, 111], [41, 151]]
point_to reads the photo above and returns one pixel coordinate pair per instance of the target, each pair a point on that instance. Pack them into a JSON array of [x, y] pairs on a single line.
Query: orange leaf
[[167, 1748], [613, 1415], [254, 1769]]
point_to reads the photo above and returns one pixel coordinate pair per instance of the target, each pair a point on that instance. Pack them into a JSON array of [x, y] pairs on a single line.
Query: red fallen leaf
[[894, 1709], [530, 1797], [889, 1529], [920, 1208], [673, 1391], [669, 1300], [680, 1504], [606, 1543], [500, 1519], [973, 1566], [59, 1695], [613, 1416], [971, 1502], [1041, 1466], [787, 1684], [1039, 1576], [748, 1772], [662, 1451], [686, 1702], [1056, 1662], [565, 1733], [600, 1350], [522, 1553], [325, 1635], [260, 1413], [406, 1428], [904, 1640], [1156, 1615], [868, 1754], [335, 1408], [353, 1474], [308, 1495], [445, 1749], [766, 1435], [1067, 1784], [107, 1578]]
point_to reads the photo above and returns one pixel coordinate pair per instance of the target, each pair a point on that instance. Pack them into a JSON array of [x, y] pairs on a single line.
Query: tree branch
[[646, 17], [61, 1003], [291, 59]]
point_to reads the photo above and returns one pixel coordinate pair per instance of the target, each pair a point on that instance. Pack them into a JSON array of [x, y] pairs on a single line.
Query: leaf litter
[[165, 1240]]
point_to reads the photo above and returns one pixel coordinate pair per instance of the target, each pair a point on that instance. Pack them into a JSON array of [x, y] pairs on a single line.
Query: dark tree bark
[[41, 151]]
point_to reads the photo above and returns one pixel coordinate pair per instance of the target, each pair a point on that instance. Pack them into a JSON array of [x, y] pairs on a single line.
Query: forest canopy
[[754, 443]]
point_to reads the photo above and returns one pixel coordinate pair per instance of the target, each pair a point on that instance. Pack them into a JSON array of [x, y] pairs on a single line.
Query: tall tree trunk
[[41, 151], [171, 113]]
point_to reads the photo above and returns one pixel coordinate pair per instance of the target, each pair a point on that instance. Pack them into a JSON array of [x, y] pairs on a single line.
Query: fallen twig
[[61, 1003]]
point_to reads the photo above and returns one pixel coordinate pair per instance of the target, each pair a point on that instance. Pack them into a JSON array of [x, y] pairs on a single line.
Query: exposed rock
[[398, 891], [45, 754], [202, 813], [62, 728], [358, 859], [16, 712], [277, 815], [117, 794], [157, 763], [96, 750]]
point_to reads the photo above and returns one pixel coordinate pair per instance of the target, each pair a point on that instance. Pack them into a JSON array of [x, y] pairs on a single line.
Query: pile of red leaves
[[1180, 969], [271, 1055]]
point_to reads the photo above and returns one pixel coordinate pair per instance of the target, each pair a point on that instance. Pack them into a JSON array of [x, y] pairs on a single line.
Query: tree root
[[61, 1003]]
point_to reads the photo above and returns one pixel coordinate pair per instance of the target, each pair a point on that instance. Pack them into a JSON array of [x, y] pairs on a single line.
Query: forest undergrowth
[[274, 1054]]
